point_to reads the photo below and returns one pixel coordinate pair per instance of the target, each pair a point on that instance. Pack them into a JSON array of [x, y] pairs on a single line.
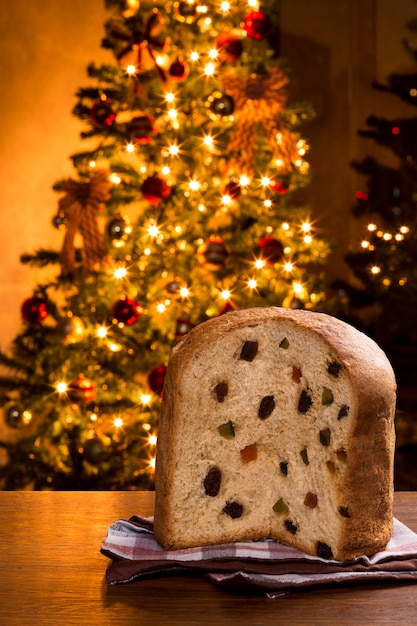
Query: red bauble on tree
[[141, 129], [257, 25], [102, 114], [183, 327], [213, 253], [156, 378], [233, 189], [230, 47], [179, 70], [155, 189], [280, 186], [34, 309], [270, 249], [81, 391], [127, 311]]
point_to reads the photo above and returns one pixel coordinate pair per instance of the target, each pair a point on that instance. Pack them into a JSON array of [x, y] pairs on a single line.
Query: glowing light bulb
[[252, 283], [145, 398], [375, 269], [153, 230], [173, 150], [259, 264], [387, 237], [209, 69], [61, 387], [213, 53], [130, 148], [365, 244], [225, 294], [169, 97], [226, 200], [172, 114], [194, 56], [265, 181], [120, 272], [184, 292], [117, 422], [225, 7], [298, 288], [101, 332], [404, 230], [372, 227], [208, 141], [152, 439], [244, 180], [152, 463], [131, 69], [308, 239], [194, 185], [161, 307], [306, 227], [285, 226], [288, 267], [115, 178]]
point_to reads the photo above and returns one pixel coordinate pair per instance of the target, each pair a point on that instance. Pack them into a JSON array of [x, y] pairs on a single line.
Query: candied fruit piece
[[304, 456], [344, 511], [325, 436], [283, 466], [341, 455], [331, 467], [221, 390], [285, 344], [212, 482], [249, 351], [291, 527], [311, 500], [305, 401], [266, 407], [233, 509], [226, 430], [249, 453], [280, 507], [343, 412], [327, 397], [334, 368], [296, 374], [324, 551]]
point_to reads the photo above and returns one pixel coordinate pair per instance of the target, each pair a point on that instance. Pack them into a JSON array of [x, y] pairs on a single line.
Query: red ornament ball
[[233, 189], [156, 379], [230, 47], [213, 253], [141, 129], [257, 25], [183, 327], [102, 114], [127, 311], [280, 186], [81, 391], [34, 310], [179, 70], [271, 249], [155, 189]]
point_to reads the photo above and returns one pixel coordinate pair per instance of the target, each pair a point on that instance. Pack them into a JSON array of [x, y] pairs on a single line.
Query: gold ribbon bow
[[80, 206], [258, 100]]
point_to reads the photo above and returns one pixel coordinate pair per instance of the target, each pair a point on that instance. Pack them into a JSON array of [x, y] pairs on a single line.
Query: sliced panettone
[[277, 423]]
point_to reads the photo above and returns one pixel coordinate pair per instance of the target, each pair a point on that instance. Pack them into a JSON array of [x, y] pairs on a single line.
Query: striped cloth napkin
[[266, 566]]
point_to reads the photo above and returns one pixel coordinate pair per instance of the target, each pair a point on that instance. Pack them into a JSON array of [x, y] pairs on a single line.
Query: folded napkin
[[264, 566]]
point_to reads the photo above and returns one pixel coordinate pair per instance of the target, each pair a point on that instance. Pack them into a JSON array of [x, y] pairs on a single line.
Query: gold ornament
[[70, 329]]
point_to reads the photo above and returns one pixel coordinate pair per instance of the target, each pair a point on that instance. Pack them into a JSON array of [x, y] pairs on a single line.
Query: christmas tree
[[384, 301], [181, 208]]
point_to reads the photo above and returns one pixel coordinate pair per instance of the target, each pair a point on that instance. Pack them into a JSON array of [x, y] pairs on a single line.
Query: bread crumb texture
[[277, 424]]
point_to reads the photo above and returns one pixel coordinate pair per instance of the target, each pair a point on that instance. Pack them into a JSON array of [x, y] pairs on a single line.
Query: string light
[[120, 272], [375, 269], [252, 283], [101, 332], [288, 266], [184, 292], [146, 398], [225, 294], [130, 148], [130, 69], [259, 264], [118, 422], [61, 387]]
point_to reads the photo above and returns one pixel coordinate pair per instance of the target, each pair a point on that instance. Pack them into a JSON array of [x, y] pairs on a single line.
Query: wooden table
[[51, 572]]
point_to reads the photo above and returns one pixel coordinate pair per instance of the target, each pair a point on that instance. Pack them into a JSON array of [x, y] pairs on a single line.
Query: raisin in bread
[[277, 423]]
